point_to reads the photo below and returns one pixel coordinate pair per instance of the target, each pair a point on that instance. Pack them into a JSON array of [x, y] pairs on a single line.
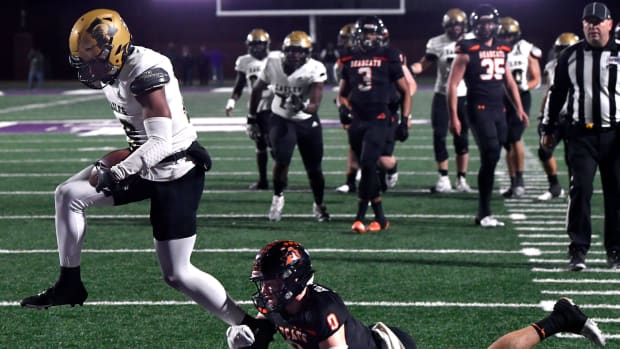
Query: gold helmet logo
[[299, 39], [345, 35], [454, 16]]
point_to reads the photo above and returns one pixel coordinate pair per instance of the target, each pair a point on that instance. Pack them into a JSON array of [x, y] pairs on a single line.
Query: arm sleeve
[[149, 154]]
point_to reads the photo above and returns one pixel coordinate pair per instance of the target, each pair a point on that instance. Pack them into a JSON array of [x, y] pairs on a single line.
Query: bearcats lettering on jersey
[[371, 75], [484, 76]]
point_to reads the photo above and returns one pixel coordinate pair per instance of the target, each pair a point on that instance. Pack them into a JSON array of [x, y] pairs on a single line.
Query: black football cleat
[[56, 295]]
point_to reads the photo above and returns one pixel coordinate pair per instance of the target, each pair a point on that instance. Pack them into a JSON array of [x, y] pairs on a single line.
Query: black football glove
[[105, 181], [402, 131], [251, 128], [293, 103], [345, 115]]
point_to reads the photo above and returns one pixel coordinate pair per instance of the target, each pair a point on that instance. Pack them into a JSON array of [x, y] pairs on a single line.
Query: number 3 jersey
[[371, 75], [323, 313], [129, 112], [298, 84], [485, 71]]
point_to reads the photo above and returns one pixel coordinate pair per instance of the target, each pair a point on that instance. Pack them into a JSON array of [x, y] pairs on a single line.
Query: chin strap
[[149, 154]]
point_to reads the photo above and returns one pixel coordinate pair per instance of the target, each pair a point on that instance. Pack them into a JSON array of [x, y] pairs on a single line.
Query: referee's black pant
[[586, 150]]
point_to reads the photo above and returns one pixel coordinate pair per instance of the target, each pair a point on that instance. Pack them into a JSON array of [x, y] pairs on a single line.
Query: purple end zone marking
[[42, 127]]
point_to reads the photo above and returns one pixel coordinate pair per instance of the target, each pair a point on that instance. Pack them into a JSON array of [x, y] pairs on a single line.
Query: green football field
[[434, 273]]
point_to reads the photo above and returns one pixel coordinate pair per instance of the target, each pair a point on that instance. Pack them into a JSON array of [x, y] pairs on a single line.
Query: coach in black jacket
[[587, 74]]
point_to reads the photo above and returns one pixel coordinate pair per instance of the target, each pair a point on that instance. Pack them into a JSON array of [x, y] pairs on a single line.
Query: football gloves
[[402, 130], [251, 128], [345, 115], [105, 182], [239, 336], [293, 103]]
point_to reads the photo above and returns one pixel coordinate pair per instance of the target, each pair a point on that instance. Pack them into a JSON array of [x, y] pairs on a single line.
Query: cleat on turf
[[442, 186], [358, 227], [489, 222], [275, 211], [259, 186], [462, 186], [320, 212], [57, 295], [577, 261], [376, 227]]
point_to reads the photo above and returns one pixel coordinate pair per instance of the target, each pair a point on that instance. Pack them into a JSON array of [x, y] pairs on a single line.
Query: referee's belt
[[591, 127]]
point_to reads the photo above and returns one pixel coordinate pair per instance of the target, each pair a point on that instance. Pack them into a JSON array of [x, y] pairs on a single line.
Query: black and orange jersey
[[371, 74], [485, 72], [323, 313]]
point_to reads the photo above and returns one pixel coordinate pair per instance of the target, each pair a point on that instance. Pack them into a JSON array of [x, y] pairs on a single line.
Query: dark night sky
[[154, 23]]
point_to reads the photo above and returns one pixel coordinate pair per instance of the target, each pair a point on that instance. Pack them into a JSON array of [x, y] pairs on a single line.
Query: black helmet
[[482, 15], [281, 271], [368, 25]]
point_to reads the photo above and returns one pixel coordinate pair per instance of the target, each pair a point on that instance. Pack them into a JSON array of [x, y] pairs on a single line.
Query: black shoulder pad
[[149, 80]]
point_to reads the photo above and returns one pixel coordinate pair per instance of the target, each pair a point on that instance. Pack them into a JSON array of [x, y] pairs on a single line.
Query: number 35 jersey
[[484, 76]]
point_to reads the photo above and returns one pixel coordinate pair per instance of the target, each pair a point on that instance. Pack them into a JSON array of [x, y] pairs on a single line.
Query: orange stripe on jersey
[[475, 48], [505, 48], [345, 59]]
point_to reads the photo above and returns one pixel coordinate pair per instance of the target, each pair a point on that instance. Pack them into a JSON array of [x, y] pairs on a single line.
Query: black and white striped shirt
[[587, 79]]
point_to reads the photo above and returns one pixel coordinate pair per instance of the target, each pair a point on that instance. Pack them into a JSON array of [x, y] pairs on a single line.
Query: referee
[[587, 75]]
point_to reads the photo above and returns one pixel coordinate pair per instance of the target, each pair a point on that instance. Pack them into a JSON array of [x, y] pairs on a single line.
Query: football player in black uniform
[[365, 86], [307, 315], [312, 316], [482, 63]]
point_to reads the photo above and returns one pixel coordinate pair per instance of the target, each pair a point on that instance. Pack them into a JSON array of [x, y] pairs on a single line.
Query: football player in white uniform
[[523, 62], [298, 81], [440, 50], [166, 165], [248, 66], [545, 155]]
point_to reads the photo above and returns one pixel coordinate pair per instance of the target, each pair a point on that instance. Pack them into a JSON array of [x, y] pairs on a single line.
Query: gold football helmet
[[296, 47], [454, 23], [509, 29], [454, 16], [258, 42], [564, 40], [99, 43], [345, 35]]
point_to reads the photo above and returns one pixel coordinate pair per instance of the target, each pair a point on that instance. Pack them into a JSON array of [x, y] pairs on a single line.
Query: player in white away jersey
[[440, 50], [165, 164], [248, 67], [523, 62], [297, 81]]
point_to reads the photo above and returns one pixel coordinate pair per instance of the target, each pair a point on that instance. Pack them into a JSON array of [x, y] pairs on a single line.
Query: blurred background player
[[523, 62], [248, 66], [366, 84], [440, 50], [481, 61], [306, 314], [345, 47], [298, 83], [387, 169], [550, 166]]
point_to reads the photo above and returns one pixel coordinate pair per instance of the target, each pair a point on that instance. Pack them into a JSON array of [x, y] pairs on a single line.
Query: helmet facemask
[[258, 49], [369, 31]]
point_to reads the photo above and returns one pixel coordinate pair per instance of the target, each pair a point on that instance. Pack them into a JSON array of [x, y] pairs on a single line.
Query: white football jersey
[[129, 112], [252, 67], [518, 61], [443, 48], [298, 83]]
